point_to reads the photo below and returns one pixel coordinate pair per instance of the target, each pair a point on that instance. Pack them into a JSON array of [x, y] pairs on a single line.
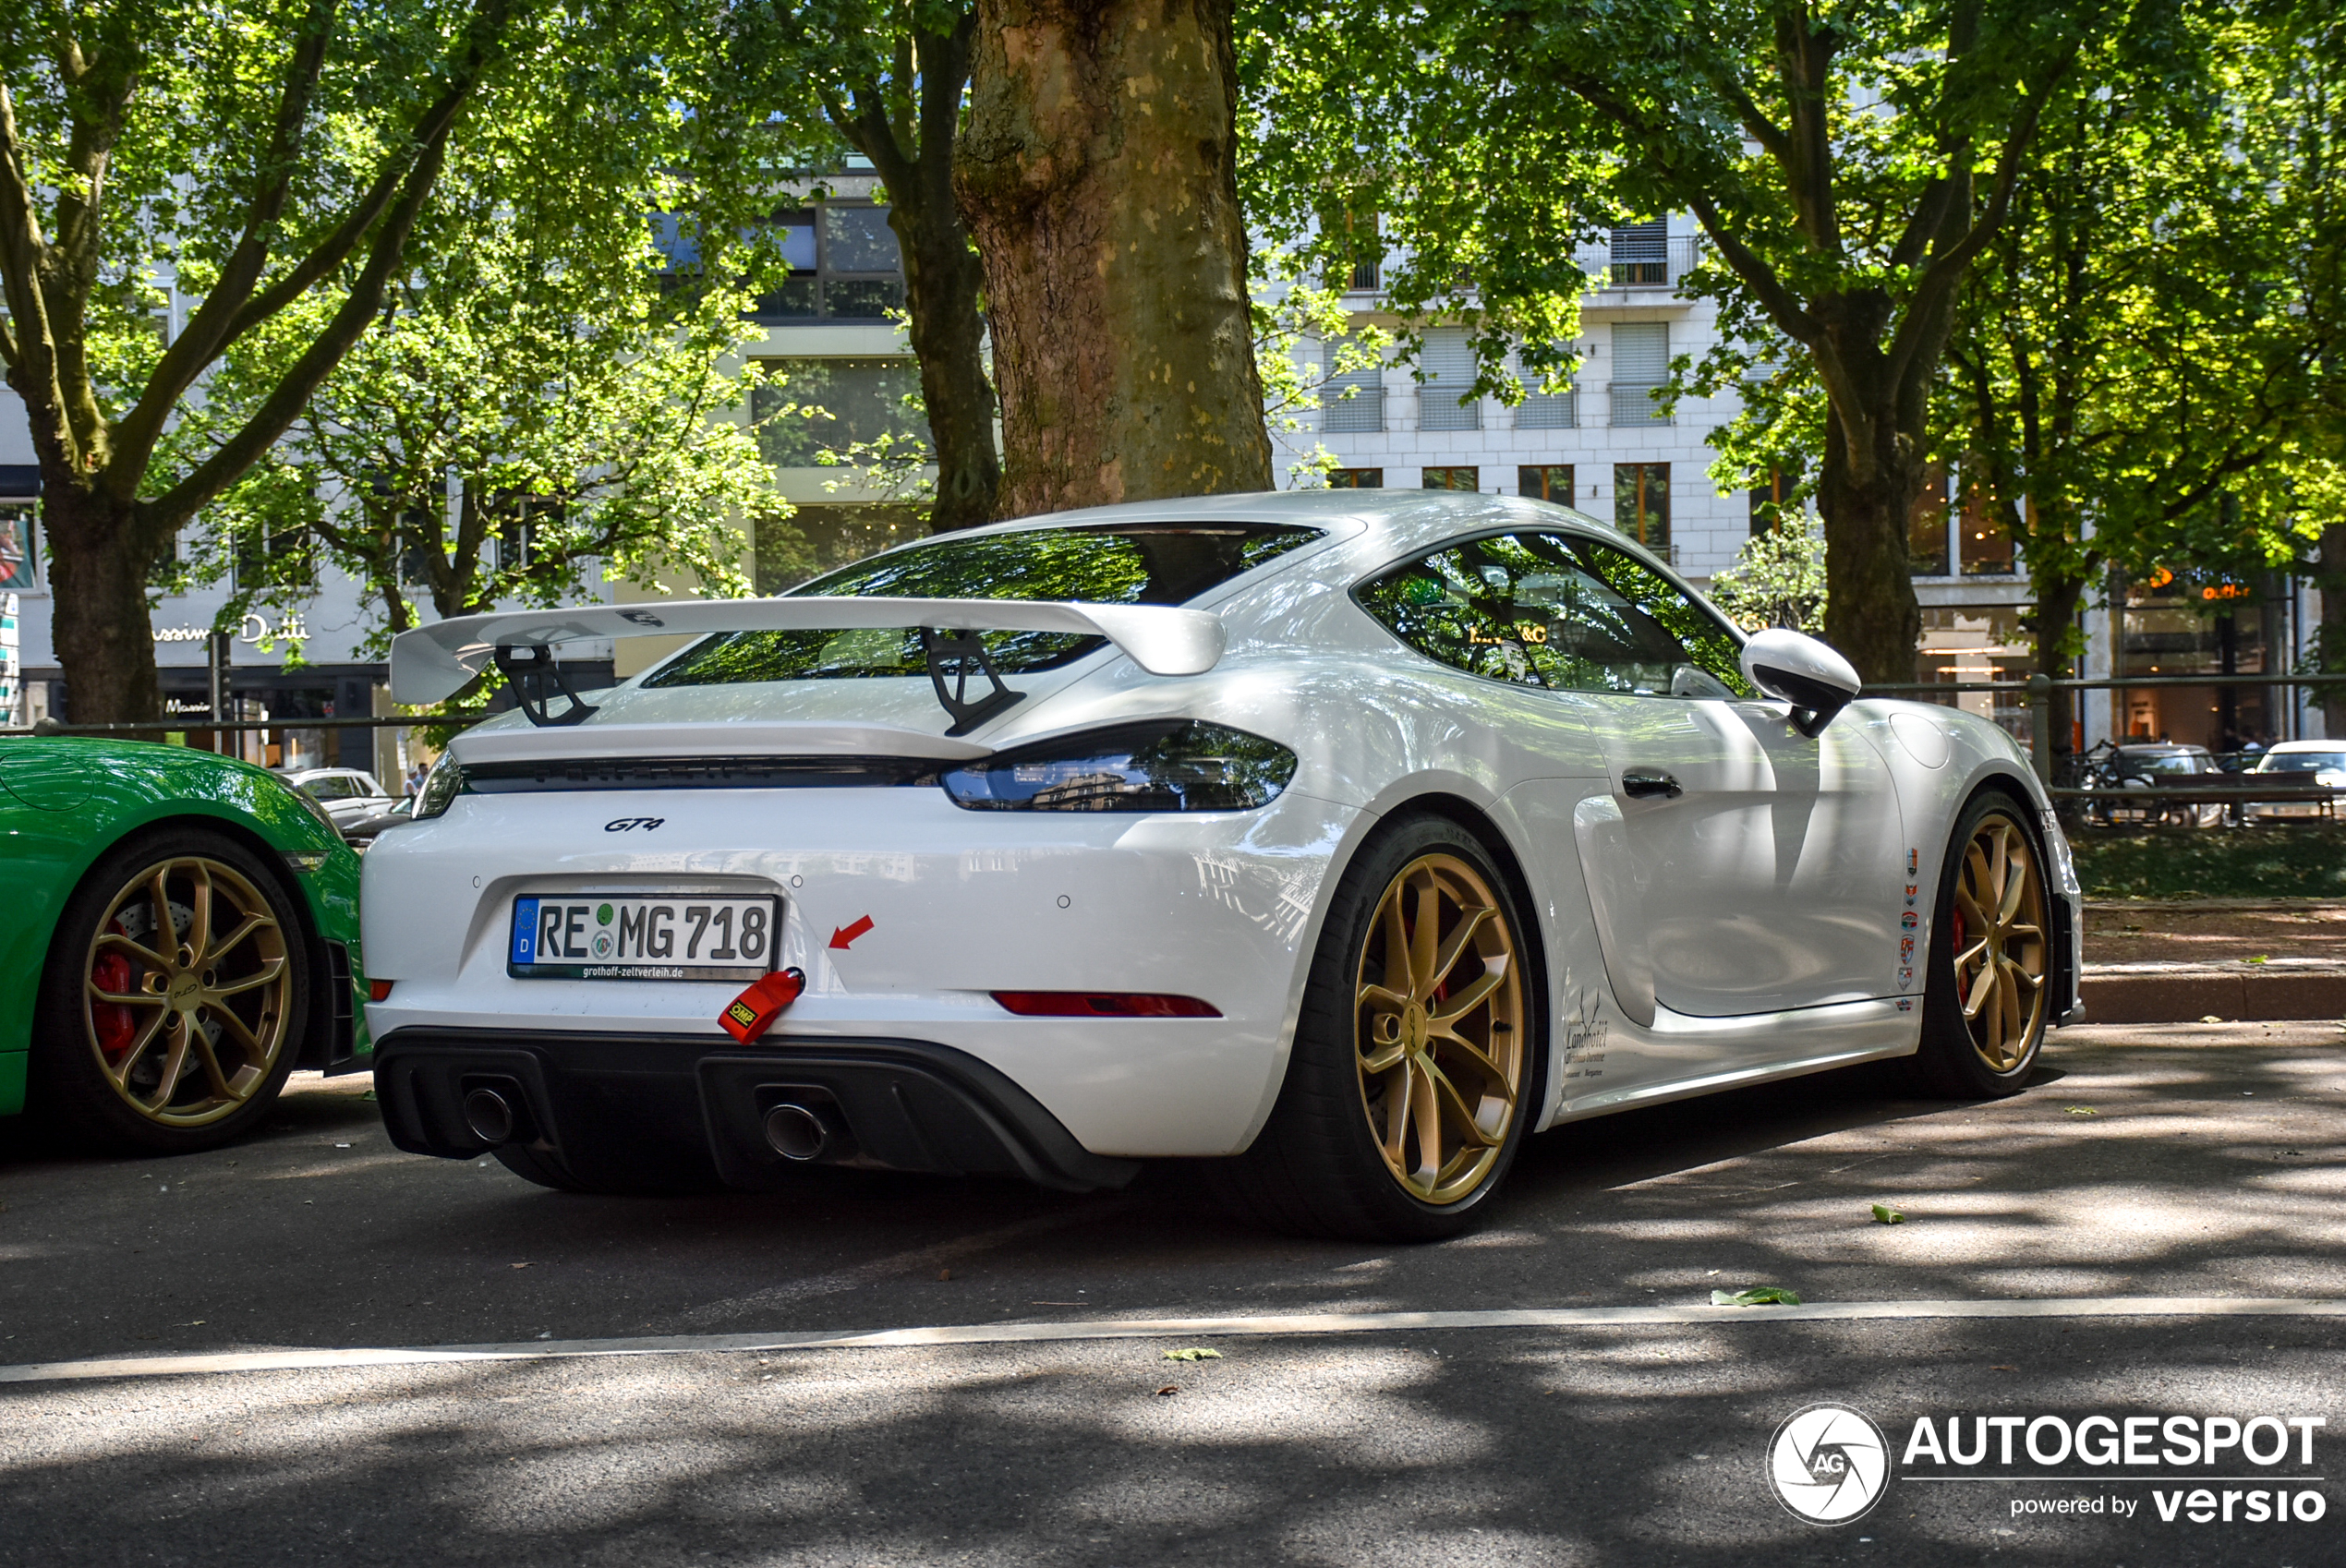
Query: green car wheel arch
[[130, 1036]]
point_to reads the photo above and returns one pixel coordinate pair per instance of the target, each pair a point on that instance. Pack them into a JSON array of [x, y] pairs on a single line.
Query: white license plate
[[669, 937]]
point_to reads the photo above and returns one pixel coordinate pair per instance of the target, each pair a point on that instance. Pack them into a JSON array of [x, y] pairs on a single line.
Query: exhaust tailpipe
[[490, 1116], [797, 1132]]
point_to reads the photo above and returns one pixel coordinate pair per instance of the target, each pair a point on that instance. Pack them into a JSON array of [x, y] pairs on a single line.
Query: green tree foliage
[[273, 157], [1776, 579], [1846, 161], [546, 396], [2141, 362]]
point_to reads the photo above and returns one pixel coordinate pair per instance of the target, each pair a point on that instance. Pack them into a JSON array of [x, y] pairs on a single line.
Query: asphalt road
[[2210, 1167]]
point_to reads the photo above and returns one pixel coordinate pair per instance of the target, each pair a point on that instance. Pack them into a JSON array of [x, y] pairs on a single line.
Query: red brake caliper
[[112, 1019]]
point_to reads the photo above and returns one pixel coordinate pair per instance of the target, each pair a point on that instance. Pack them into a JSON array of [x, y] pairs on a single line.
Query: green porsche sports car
[[180, 932]]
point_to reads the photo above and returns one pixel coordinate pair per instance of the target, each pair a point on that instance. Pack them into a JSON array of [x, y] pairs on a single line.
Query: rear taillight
[[1104, 1004]]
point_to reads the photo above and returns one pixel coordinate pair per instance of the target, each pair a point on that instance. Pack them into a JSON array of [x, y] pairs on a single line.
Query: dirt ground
[[2212, 931]]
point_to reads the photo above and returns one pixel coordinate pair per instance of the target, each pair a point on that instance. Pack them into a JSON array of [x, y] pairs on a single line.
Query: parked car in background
[[359, 832], [2300, 764], [2172, 771], [129, 1037], [347, 793]]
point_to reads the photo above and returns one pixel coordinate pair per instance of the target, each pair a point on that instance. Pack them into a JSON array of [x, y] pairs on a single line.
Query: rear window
[[1145, 564]]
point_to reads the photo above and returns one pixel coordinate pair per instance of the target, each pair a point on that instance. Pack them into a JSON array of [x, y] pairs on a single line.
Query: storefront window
[[2212, 628], [1964, 643]]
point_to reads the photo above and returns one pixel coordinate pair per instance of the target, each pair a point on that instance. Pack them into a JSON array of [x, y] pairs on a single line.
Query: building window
[[1446, 364], [1365, 246], [1545, 481], [1356, 478], [1546, 411], [1640, 369], [1641, 254], [1927, 527], [1451, 478], [1641, 503], [845, 266], [1771, 503], [1984, 543], [1351, 400], [19, 561], [807, 406]]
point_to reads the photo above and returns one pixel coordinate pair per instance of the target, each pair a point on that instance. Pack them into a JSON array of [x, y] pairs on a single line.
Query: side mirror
[[1799, 669]]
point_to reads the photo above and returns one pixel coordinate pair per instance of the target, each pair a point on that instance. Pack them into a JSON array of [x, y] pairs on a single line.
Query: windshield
[[1139, 563], [2303, 762]]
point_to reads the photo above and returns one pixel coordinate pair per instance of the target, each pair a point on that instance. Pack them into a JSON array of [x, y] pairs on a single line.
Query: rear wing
[[432, 663]]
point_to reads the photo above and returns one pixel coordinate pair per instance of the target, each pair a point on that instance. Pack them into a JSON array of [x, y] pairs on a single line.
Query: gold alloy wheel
[[187, 991], [1438, 1027], [2000, 945]]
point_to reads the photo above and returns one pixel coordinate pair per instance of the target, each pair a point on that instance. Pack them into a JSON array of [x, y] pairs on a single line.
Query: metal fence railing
[[2176, 794]]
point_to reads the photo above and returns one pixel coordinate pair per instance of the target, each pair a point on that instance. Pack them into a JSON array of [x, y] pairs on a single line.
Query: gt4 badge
[[630, 824]]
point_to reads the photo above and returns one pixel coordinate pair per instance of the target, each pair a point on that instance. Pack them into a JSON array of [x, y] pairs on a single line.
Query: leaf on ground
[[1168, 1389], [1194, 1353], [2209, 1018], [2259, 958], [1884, 1215], [2082, 1111], [1758, 1296]]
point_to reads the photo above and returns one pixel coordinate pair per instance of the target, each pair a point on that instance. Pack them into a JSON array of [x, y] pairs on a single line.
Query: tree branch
[[283, 404], [201, 341], [1927, 310], [1767, 288]]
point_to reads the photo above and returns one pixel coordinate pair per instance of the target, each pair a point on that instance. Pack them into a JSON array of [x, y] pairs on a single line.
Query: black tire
[[1960, 1058], [1318, 1167], [75, 1038]]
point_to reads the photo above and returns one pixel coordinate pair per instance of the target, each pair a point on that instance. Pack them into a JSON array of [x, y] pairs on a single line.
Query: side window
[[1557, 610]]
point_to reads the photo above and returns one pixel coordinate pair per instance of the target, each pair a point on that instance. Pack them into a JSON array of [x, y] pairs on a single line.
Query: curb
[[2187, 993]]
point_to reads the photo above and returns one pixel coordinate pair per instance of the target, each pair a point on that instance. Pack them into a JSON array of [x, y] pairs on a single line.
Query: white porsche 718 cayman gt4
[[1348, 836]]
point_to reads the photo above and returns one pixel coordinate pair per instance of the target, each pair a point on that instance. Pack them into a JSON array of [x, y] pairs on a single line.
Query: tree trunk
[[943, 279], [1872, 476], [2329, 637], [2058, 595], [98, 620], [1097, 170]]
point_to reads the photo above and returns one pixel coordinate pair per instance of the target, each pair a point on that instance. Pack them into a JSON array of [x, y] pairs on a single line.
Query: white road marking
[[1270, 1326]]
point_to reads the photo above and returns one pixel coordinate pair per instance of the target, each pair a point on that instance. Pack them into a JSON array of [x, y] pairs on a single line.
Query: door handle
[[1645, 785]]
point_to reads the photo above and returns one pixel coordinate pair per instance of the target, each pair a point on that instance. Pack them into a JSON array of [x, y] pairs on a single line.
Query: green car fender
[[65, 801]]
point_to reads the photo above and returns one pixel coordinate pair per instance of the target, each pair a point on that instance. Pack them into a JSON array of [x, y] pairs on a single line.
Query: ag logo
[[1828, 1463]]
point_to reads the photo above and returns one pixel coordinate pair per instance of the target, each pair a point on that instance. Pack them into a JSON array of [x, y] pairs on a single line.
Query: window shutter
[[1365, 409], [1640, 363], [1448, 364]]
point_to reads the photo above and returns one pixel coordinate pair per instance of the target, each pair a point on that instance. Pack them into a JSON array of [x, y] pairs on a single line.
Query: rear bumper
[[619, 1110]]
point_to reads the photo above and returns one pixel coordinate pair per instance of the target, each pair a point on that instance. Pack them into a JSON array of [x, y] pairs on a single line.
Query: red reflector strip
[[1104, 1004], [378, 990]]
